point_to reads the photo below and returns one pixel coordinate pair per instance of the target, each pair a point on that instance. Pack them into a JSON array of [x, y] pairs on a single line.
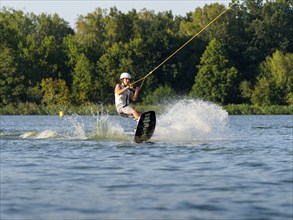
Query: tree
[[246, 90], [273, 30], [40, 59], [36, 44], [281, 67], [161, 95], [55, 92], [51, 25], [15, 26], [82, 87], [216, 79], [41, 52], [201, 17], [266, 93], [108, 42], [11, 81], [275, 82], [267, 28], [90, 34]]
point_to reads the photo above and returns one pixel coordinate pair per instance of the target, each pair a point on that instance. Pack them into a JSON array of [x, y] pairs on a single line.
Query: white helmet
[[125, 75]]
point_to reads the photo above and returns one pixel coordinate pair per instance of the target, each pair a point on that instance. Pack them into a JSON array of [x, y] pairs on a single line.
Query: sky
[[69, 10]]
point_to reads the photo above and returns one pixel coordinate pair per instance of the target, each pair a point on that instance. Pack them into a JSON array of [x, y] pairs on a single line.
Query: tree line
[[246, 56]]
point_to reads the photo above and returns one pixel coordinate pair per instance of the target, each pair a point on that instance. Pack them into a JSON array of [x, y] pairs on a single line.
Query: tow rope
[[180, 48]]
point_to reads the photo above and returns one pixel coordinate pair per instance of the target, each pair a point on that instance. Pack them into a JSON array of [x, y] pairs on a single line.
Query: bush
[[160, 95], [245, 109], [93, 109]]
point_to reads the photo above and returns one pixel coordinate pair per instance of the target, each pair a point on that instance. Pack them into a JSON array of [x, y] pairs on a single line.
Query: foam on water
[[191, 120], [40, 135], [100, 126]]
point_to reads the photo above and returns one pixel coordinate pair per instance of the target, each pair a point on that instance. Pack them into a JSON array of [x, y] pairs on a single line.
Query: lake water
[[200, 164]]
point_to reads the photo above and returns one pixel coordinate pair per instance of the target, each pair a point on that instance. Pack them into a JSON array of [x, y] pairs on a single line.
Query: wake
[[186, 121], [191, 120], [97, 127]]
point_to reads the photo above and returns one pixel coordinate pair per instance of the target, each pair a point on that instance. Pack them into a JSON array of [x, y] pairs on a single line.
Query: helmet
[[125, 75]]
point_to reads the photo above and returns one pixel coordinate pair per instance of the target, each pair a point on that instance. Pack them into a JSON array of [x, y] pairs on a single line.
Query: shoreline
[[93, 109]]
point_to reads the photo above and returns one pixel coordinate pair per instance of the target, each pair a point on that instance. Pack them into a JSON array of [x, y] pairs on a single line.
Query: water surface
[[200, 164]]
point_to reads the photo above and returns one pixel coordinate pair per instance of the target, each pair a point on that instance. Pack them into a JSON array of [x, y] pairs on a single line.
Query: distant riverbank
[[93, 109]]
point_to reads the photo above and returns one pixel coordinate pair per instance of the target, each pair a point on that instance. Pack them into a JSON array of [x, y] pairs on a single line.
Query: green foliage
[[275, 18], [281, 67], [275, 83], [245, 88], [202, 17], [89, 59], [11, 81], [289, 98], [21, 108], [245, 109], [55, 92], [161, 95], [216, 79], [93, 109], [82, 80], [264, 93]]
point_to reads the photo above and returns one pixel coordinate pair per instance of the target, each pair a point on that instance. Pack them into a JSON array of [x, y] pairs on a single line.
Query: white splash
[[39, 135], [105, 129], [77, 130], [191, 120], [102, 128], [98, 127]]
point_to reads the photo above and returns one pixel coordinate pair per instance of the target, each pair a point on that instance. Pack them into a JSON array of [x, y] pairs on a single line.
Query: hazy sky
[[69, 10]]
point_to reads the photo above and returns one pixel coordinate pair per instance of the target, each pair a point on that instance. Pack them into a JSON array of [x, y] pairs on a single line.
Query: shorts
[[125, 111]]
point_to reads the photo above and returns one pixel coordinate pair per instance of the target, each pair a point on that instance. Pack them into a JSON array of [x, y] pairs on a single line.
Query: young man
[[122, 96]]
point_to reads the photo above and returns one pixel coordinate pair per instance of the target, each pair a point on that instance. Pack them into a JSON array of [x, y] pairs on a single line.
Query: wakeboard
[[145, 127]]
